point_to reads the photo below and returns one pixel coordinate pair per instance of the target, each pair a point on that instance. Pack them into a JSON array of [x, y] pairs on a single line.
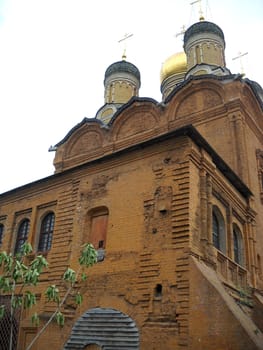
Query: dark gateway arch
[[108, 328]]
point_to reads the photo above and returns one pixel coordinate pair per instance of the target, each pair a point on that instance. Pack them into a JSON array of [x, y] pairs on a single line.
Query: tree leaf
[[78, 298], [39, 263], [35, 319], [60, 319], [52, 293], [88, 255], [26, 249], [70, 275], [29, 299], [83, 276]]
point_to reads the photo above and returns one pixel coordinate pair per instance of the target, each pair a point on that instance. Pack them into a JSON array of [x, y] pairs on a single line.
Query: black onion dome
[[203, 27], [123, 66]]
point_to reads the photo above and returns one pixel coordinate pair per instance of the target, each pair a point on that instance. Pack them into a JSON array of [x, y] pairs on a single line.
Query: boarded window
[[98, 227]]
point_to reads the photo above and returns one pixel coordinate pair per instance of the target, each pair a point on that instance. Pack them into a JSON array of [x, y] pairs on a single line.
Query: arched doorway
[[106, 329]]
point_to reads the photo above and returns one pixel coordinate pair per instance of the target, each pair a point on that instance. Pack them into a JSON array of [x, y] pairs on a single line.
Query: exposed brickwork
[[159, 197]]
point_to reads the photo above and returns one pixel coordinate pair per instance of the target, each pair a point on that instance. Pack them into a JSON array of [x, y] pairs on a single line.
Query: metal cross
[[201, 15], [126, 36], [181, 32], [239, 56]]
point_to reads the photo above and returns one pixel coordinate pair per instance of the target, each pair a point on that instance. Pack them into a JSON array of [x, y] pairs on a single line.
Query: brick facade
[[158, 180]]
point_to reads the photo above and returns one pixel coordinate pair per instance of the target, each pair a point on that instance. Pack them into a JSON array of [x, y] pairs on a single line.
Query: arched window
[[22, 235], [1, 233], [237, 245], [46, 232], [218, 230]]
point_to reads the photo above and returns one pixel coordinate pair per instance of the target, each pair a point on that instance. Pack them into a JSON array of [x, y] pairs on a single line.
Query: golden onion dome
[[174, 64]]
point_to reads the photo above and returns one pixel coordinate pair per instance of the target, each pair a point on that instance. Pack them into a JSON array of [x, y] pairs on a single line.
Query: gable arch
[[84, 140], [106, 328], [197, 96], [131, 122], [253, 106]]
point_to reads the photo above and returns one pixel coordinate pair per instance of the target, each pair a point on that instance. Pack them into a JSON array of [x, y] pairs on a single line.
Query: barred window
[[46, 232], [22, 235]]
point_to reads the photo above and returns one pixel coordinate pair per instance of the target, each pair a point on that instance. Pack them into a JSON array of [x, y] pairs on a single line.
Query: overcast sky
[[54, 53]]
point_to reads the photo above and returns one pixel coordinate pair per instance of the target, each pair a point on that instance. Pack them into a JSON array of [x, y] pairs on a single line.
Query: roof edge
[[187, 130]]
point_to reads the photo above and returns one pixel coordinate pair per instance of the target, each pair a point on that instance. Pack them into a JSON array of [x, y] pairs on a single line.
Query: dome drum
[[121, 82], [203, 69], [204, 43], [170, 82], [204, 27], [125, 77], [122, 67], [120, 89]]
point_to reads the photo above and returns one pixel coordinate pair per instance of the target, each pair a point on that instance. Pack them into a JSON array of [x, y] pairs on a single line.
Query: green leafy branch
[[88, 258], [16, 274]]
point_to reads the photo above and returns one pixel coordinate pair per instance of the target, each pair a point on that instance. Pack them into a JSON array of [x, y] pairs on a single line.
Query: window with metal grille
[[8, 322], [46, 232], [22, 235], [1, 233]]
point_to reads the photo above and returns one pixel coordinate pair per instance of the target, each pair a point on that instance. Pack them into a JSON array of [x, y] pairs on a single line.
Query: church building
[[170, 193]]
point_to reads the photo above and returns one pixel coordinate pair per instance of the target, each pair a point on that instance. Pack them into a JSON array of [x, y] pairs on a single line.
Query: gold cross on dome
[[201, 14], [124, 39]]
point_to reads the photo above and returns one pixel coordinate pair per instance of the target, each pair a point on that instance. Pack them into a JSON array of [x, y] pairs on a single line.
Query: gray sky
[[53, 55]]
